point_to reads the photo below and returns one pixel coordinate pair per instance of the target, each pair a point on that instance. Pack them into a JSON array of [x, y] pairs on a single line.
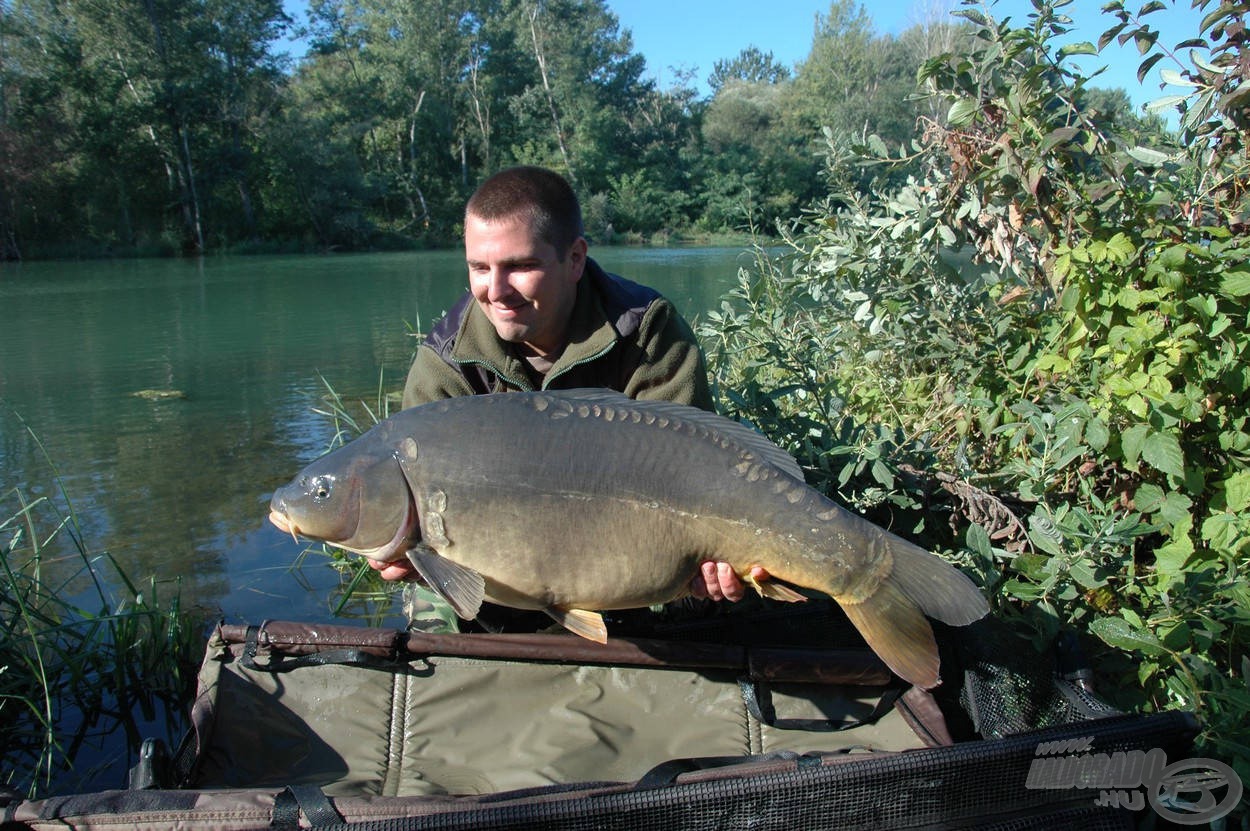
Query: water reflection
[[177, 487]]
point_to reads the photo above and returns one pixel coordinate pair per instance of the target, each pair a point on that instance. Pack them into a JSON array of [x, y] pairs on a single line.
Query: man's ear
[[577, 258]]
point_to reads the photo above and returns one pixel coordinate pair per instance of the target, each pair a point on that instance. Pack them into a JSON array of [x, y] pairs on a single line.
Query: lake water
[[178, 488]]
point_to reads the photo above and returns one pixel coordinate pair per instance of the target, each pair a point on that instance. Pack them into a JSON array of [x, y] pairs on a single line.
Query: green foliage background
[[1032, 353], [158, 127]]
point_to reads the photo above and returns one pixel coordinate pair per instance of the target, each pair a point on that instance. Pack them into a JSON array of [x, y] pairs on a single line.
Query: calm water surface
[[179, 488]]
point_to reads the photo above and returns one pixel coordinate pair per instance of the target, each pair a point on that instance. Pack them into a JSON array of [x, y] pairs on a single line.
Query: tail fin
[[941, 591], [897, 632], [892, 618]]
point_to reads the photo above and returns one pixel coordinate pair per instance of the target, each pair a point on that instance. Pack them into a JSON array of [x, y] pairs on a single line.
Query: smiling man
[[541, 314]]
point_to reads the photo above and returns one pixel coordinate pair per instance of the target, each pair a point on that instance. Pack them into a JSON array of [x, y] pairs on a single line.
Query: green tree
[[153, 104], [757, 170], [585, 86], [244, 86], [751, 66], [853, 81]]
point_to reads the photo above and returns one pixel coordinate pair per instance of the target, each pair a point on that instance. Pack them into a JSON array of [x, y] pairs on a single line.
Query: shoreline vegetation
[[1019, 337], [1032, 354], [88, 250], [91, 662]]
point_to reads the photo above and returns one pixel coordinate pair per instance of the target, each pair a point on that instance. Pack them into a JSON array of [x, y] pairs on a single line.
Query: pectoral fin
[[774, 590], [461, 587], [589, 625]]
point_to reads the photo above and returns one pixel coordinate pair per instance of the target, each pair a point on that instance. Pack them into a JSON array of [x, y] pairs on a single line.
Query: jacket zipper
[[524, 384], [605, 350]]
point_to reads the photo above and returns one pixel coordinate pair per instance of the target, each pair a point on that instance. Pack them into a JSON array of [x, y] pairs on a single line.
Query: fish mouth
[[284, 523]]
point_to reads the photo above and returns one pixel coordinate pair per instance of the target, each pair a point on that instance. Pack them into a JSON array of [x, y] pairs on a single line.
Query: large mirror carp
[[584, 500]]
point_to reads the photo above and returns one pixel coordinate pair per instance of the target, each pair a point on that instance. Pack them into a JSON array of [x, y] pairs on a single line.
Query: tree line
[[166, 126]]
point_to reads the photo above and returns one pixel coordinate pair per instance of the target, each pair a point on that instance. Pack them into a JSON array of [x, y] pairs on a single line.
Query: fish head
[[355, 498]]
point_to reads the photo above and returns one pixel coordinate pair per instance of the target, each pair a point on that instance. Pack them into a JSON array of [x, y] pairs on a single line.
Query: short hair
[[541, 197]]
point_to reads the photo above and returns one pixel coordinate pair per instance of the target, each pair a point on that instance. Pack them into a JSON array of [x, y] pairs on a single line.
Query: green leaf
[[962, 111], [972, 15], [1145, 40], [1096, 434], [1211, 19], [1045, 536], [1235, 284], [881, 472], [1117, 632], [1166, 102], [1171, 76], [1147, 65], [1237, 492], [1173, 257], [1148, 498], [1170, 558], [1121, 246], [1110, 34], [1083, 573], [1032, 566], [1022, 591], [1148, 156], [979, 541], [1223, 533], [1175, 509], [1082, 48], [1163, 452], [1131, 441]]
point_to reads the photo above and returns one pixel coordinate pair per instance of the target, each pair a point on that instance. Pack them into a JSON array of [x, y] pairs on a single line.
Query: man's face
[[520, 283]]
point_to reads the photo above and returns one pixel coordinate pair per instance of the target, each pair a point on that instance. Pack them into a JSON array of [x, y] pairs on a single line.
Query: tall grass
[[89, 659], [361, 594]]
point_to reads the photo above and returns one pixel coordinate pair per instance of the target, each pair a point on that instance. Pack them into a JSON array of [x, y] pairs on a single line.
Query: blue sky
[[694, 34]]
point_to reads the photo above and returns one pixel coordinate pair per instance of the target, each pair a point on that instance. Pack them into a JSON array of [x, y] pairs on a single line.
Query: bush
[[1034, 354]]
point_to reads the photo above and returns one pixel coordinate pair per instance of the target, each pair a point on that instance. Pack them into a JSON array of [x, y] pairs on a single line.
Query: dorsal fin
[[747, 439]]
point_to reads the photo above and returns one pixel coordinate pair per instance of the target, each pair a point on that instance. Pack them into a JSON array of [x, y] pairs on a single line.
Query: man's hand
[[394, 570], [718, 581]]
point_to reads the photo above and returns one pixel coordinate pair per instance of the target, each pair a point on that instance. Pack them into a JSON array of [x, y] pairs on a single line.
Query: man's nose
[[498, 285]]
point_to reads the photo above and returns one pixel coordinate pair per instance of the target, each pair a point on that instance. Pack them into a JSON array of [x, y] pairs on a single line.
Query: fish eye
[[321, 488]]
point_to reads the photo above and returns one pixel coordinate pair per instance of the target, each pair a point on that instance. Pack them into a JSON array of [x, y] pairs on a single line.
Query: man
[[541, 314]]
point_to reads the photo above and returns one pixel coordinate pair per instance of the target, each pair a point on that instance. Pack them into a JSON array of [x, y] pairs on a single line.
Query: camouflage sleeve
[[672, 366], [431, 379]]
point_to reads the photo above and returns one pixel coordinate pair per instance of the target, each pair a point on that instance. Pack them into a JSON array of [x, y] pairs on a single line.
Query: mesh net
[[976, 785], [1002, 686]]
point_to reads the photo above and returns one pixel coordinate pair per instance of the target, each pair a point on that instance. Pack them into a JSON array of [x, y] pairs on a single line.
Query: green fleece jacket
[[622, 335]]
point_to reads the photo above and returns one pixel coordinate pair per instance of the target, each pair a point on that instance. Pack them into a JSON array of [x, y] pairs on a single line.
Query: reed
[[361, 594], [89, 658]]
